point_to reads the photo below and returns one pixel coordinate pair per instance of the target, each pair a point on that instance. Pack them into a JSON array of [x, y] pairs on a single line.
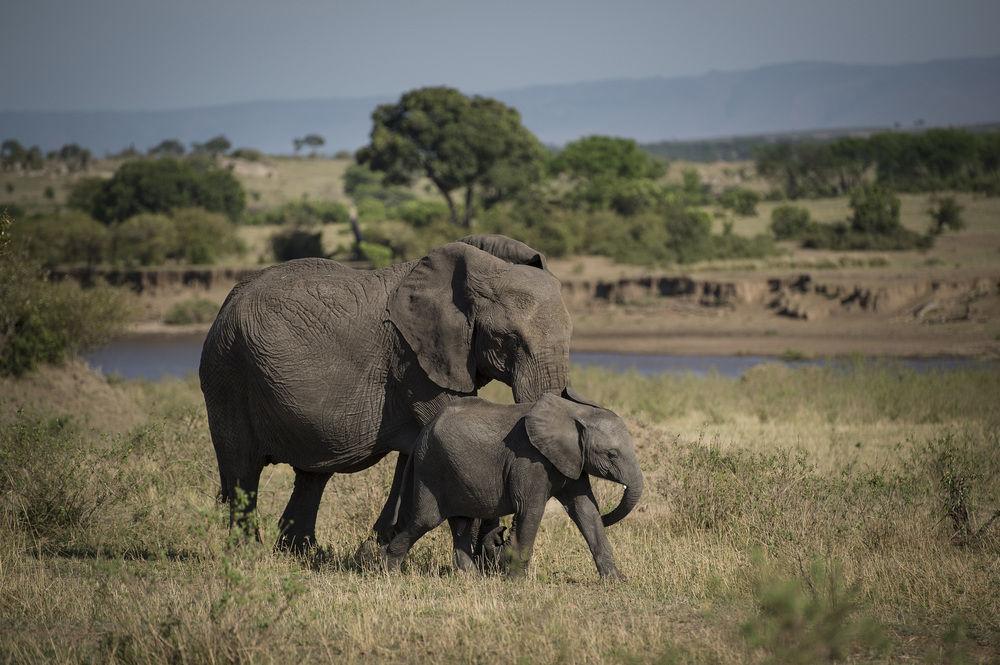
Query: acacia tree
[[473, 143], [314, 141], [217, 145]]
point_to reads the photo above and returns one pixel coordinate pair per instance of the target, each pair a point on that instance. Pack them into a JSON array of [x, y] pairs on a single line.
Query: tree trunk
[[451, 204], [356, 230], [467, 217]]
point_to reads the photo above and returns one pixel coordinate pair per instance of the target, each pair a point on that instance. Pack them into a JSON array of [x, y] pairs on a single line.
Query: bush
[[202, 236], [55, 484], [790, 222], [248, 154], [67, 238], [741, 201], [44, 322], [875, 210], [380, 256], [297, 244], [874, 225], [840, 236], [192, 310], [302, 213], [945, 213], [361, 183], [422, 213], [160, 186], [145, 240]]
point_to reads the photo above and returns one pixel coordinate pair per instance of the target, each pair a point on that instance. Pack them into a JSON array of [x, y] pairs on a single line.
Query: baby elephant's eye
[[613, 454]]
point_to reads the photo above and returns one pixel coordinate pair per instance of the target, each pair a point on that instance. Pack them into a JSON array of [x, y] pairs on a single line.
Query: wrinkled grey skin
[[483, 460], [329, 369]]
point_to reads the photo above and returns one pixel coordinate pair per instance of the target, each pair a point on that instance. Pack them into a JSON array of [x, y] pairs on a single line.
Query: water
[[156, 356]]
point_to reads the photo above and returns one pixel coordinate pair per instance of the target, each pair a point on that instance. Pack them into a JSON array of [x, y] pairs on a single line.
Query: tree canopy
[[159, 186], [217, 145], [607, 156], [473, 143]]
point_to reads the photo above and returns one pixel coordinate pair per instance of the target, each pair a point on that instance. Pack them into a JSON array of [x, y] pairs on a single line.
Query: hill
[[778, 98]]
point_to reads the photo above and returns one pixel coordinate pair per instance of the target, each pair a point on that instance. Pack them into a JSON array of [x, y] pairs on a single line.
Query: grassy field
[[790, 516]]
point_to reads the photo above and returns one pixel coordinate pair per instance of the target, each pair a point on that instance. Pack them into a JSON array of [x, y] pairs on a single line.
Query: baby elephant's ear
[[556, 434]]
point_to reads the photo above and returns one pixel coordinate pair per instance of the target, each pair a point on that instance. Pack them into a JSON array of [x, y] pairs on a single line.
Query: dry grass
[[751, 484]]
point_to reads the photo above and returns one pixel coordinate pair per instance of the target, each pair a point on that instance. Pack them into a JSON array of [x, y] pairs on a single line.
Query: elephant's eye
[[613, 454]]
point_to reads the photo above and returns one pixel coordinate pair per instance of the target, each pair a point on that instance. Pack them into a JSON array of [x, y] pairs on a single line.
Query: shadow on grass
[[121, 553]]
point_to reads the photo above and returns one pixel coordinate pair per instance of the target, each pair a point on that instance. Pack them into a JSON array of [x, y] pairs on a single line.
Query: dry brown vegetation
[[791, 516]]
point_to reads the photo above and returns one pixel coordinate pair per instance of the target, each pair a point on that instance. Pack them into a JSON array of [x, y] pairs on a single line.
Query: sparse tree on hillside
[[945, 214], [167, 148], [217, 145], [313, 141], [12, 154], [473, 143]]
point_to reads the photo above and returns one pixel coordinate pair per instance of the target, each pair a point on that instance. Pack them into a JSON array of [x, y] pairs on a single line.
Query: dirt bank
[[873, 312]]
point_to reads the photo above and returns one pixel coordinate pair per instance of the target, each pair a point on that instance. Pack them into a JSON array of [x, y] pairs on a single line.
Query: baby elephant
[[482, 460]]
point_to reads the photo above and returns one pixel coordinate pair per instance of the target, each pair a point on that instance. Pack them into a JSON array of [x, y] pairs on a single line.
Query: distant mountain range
[[790, 97]]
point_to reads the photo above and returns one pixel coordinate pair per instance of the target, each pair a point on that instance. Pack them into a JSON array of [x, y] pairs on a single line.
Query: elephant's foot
[[299, 544], [370, 554], [612, 575], [490, 553]]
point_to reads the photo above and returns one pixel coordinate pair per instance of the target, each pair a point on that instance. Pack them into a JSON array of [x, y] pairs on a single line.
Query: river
[[157, 356]]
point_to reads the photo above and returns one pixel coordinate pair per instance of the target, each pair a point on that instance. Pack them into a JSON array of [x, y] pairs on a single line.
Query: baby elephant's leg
[[461, 538], [526, 523], [582, 508], [424, 517], [491, 546]]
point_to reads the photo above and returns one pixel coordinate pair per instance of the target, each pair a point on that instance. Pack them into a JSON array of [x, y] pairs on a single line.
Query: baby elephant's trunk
[[633, 491]]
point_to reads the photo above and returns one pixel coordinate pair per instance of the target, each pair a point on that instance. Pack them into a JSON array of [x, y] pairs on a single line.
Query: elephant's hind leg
[[461, 538], [298, 522], [239, 469], [242, 500]]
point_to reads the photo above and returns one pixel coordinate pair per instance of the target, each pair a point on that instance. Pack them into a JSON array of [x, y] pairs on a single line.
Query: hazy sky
[[155, 54]]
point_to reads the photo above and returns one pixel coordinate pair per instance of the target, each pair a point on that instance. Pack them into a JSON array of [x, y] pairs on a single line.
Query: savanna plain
[[791, 515]]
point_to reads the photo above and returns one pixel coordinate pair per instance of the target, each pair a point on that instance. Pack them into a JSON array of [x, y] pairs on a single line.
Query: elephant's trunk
[[534, 378], [630, 497]]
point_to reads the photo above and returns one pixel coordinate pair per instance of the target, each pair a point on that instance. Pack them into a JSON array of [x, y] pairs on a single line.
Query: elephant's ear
[[556, 434], [573, 396], [508, 249], [433, 309]]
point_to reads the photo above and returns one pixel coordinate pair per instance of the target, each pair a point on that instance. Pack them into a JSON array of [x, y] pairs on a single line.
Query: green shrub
[[146, 240], [421, 213], [248, 154], [946, 214], [302, 213], [380, 256], [192, 310], [297, 244], [607, 157], [817, 619], [741, 201], [55, 483], [789, 222], [840, 236], [361, 183], [875, 210], [160, 186], [874, 225], [202, 236], [67, 238], [43, 321], [13, 210]]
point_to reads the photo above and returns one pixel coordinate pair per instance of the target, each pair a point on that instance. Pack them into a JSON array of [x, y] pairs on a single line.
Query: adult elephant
[[329, 369]]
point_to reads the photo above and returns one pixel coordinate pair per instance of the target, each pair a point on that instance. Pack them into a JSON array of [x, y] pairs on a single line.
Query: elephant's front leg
[[522, 542], [579, 501]]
